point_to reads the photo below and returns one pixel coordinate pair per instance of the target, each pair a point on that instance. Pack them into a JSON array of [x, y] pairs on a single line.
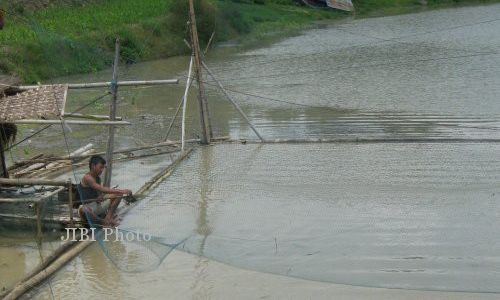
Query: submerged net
[[367, 224]]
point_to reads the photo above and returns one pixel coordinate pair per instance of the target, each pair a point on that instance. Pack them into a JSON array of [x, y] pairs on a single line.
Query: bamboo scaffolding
[[71, 249]]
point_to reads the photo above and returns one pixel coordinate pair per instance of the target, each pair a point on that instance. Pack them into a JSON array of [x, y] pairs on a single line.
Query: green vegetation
[[78, 36]]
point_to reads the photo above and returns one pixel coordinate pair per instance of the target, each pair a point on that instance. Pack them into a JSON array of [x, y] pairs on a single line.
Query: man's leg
[[88, 215], [114, 202]]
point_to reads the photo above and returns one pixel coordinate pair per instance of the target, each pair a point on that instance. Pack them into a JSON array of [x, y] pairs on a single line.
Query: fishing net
[[367, 224]]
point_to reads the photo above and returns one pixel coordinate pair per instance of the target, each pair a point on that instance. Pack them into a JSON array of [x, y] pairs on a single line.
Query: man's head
[[97, 164]]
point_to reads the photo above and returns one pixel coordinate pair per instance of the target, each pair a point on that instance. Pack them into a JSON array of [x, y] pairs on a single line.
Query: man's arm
[[90, 181]]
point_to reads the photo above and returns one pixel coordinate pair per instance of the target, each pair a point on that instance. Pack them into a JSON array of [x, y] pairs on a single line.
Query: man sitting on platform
[[99, 203]]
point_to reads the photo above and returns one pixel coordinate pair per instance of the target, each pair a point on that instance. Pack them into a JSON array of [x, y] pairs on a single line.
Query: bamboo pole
[[29, 181], [70, 202], [240, 111], [366, 141], [206, 132], [184, 105], [83, 116], [209, 42], [71, 122], [38, 207], [105, 84], [112, 115], [19, 200], [171, 125], [162, 175], [5, 170]]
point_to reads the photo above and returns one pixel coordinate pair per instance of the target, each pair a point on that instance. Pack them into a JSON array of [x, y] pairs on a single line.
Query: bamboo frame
[[71, 249]]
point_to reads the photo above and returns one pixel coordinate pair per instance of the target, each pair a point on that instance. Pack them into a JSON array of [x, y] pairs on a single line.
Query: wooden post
[[112, 116], [5, 171], [206, 131], [38, 207], [70, 200]]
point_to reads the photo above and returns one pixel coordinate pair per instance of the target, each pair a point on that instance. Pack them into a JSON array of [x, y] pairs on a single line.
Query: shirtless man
[[96, 208]]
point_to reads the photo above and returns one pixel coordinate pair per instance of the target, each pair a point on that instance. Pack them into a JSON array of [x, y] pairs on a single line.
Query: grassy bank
[[68, 38]]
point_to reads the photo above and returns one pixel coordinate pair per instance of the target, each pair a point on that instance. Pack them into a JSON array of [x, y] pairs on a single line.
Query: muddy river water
[[421, 216]]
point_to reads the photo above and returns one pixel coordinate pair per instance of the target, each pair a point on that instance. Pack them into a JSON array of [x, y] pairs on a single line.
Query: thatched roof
[[6, 84], [44, 102]]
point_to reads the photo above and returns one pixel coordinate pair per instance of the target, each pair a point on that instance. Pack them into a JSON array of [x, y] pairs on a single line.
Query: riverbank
[[60, 40]]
